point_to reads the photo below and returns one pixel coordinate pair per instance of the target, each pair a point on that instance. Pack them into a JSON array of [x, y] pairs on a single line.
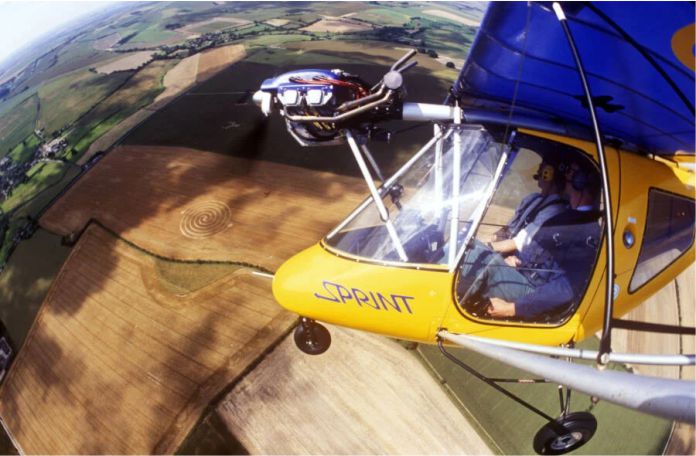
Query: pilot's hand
[[501, 308], [513, 261]]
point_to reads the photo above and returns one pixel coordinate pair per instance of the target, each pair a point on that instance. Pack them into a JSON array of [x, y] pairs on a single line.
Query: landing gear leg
[[311, 337]]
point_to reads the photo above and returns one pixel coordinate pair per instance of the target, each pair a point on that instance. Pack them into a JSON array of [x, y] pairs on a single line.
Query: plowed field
[[117, 363]]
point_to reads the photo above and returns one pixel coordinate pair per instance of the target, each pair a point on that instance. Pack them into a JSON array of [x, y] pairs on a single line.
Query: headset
[[546, 173], [581, 179]]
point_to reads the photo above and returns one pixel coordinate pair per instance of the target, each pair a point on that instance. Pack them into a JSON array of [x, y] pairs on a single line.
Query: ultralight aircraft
[[596, 99]]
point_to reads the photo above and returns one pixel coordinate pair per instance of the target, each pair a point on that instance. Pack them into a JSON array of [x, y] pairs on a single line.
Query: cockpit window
[[669, 232], [534, 251], [432, 203]]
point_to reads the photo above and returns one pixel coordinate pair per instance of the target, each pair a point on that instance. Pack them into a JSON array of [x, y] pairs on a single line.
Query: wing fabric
[[638, 57]]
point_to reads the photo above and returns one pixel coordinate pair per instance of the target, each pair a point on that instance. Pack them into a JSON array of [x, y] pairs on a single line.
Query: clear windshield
[[432, 203]]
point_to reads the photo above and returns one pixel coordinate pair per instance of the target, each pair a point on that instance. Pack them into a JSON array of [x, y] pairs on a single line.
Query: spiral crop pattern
[[205, 219]]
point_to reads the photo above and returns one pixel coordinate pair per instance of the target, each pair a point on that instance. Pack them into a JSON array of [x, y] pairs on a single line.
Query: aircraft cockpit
[[447, 209], [431, 204]]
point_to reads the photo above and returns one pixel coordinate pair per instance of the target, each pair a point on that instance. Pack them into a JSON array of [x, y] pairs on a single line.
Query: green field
[[138, 92], [45, 179], [17, 123], [510, 428], [152, 35], [25, 281], [25, 149], [65, 99]]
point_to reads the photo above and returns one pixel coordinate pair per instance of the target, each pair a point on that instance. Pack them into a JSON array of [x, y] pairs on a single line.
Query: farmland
[[18, 123], [65, 99]]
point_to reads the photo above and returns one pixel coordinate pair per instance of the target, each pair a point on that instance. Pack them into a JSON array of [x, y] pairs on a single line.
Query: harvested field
[[365, 395], [278, 22], [452, 17], [214, 60], [152, 196], [179, 78], [129, 62], [338, 25], [117, 363], [197, 26], [105, 43]]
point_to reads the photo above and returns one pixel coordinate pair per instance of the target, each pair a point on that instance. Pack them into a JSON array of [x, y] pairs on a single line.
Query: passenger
[[533, 211], [557, 263]]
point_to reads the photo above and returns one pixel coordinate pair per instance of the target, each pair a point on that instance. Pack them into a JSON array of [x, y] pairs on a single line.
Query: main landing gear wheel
[[565, 434], [311, 337]]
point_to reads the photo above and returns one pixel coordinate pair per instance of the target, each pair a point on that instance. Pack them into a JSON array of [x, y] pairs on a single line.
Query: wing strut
[[672, 399], [605, 341]]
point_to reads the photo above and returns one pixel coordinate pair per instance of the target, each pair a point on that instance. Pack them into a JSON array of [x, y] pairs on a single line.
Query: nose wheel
[[565, 434], [311, 337]]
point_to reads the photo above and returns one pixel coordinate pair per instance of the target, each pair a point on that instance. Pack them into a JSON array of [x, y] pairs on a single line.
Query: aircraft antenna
[[605, 341], [519, 72]]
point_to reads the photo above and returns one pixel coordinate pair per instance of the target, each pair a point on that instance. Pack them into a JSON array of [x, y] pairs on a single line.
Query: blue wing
[[638, 56]]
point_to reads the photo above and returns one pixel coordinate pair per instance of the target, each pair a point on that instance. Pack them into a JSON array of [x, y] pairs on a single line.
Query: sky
[[21, 22]]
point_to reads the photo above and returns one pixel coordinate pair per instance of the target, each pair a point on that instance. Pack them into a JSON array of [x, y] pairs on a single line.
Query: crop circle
[[205, 219]]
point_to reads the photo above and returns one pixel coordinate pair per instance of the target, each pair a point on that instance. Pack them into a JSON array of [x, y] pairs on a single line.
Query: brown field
[[179, 78], [191, 28], [337, 25], [278, 22], [131, 61], [365, 395], [214, 60], [116, 363], [452, 17], [187, 204]]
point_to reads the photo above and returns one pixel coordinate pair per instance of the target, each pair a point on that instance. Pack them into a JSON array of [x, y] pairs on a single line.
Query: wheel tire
[[578, 429], [312, 338]]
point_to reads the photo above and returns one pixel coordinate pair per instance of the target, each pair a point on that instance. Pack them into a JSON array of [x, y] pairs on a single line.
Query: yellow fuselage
[[414, 303]]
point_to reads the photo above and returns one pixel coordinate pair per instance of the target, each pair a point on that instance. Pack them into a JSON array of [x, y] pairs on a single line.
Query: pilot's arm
[[504, 246]]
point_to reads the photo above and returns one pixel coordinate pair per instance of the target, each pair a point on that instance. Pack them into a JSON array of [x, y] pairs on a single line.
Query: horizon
[[22, 23]]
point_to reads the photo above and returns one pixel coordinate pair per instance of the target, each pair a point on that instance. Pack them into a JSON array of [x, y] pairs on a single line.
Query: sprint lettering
[[335, 292]]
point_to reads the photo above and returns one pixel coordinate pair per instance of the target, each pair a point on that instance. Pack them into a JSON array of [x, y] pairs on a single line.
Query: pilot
[[558, 262], [533, 211]]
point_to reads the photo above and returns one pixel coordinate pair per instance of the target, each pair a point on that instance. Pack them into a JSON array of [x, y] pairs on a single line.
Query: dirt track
[[116, 364], [165, 200]]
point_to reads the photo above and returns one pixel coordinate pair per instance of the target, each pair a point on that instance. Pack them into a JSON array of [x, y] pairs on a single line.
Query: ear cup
[[547, 173], [580, 180]]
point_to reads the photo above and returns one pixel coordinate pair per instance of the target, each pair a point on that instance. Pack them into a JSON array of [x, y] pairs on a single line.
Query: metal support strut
[[605, 341], [493, 382], [383, 212]]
